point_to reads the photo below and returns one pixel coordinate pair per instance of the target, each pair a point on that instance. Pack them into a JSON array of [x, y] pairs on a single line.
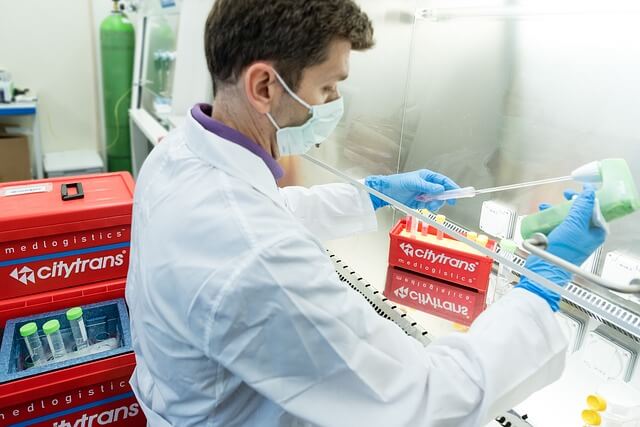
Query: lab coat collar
[[202, 114], [231, 157]]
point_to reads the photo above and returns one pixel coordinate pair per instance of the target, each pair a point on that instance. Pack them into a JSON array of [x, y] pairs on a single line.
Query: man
[[238, 317]]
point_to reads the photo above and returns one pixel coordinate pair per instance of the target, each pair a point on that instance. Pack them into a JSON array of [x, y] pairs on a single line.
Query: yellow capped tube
[[596, 403], [591, 417], [441, 219]]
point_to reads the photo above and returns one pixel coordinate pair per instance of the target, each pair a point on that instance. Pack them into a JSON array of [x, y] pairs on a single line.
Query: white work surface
[[559, 404]]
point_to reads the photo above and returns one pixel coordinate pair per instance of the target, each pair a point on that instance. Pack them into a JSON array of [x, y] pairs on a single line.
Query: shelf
[[148, 125], [18, 109]]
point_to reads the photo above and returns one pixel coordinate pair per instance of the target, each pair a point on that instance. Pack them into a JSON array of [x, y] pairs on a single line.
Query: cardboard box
[[15, 159]]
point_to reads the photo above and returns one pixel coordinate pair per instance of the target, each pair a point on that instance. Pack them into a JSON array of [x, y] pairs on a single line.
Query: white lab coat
[[239, 319]]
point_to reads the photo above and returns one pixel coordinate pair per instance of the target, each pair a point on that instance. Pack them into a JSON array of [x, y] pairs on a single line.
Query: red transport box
[[439, 298], [86, 395], [64, 232], [445, 259]]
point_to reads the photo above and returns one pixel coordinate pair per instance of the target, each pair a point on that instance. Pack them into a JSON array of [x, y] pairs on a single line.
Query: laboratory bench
[[596, 351]]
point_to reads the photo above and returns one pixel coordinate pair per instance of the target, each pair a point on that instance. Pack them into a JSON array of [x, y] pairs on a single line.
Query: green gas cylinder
[[117, 44]]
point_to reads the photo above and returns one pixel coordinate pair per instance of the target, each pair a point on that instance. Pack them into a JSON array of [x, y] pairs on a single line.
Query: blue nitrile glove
[[405, 187], [574, 240]]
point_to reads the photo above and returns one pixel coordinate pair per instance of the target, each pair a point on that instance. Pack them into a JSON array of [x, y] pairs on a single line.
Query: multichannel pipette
[[589, 173]]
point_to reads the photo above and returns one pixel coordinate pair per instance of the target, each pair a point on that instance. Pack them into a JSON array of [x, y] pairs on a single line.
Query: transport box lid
[[28, 207]]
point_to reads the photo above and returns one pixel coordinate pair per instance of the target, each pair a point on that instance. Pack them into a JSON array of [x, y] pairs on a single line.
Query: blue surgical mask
[[295, 140]]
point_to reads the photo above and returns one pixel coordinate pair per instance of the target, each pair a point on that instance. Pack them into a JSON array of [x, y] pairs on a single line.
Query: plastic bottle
[[54, 337], [34, 346], [78, 329], [617, 197]]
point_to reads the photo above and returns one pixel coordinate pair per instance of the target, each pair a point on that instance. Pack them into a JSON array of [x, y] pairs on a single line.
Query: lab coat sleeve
[[331, 211], [290, 329]]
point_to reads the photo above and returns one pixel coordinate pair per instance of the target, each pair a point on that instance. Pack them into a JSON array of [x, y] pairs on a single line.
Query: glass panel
[[367, 140], [159, 65], [501, 95]]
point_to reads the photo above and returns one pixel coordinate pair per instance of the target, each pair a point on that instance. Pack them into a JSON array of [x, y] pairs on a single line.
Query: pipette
[[589, 173]]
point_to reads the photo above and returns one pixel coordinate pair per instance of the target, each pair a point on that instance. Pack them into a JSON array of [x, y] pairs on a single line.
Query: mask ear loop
[[292, 93], [272, 120]]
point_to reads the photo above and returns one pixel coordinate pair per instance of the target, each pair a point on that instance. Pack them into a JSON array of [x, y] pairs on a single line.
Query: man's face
[[319, 84]]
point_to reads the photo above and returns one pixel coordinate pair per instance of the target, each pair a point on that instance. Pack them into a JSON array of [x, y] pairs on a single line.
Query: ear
[[260, 86]]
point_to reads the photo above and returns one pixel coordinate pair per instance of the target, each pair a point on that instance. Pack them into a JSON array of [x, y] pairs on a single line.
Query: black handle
[[64, 191]]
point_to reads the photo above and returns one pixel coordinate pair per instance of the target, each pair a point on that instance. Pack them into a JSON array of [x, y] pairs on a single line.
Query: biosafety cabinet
[[489, 93]]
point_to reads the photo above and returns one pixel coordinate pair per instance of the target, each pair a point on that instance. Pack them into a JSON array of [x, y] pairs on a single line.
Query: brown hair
[[294, 34]]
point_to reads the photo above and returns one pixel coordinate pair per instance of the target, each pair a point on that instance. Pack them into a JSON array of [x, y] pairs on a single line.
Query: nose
[[334, 96]]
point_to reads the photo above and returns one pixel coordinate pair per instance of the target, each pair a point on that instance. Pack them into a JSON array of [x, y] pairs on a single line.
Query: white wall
[[48, 47]]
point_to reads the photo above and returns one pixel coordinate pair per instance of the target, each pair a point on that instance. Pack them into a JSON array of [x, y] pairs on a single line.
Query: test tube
[[591, 418], [472, 235], [425, 226], [407, 223], [482, 240], [440, 219], [79, 331], [34, 346], [414, 226], [596, 402], [54, 337]]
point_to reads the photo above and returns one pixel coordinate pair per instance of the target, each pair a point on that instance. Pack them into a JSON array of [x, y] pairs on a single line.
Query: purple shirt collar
[[202, 114]]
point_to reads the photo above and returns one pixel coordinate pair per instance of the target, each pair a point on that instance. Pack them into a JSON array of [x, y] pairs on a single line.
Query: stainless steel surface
[[537, 245]]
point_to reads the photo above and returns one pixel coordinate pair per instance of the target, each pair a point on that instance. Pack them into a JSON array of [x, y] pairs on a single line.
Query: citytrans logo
[[64, 269], [24, 275], [118, 415], [430, 300], [402, 292], [438, 258], [407, 249]]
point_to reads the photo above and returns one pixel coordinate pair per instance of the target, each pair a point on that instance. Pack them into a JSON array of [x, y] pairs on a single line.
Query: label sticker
[[26, 189]]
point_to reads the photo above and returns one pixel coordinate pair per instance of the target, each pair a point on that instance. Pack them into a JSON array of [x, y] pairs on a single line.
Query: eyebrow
[[340, 77]]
